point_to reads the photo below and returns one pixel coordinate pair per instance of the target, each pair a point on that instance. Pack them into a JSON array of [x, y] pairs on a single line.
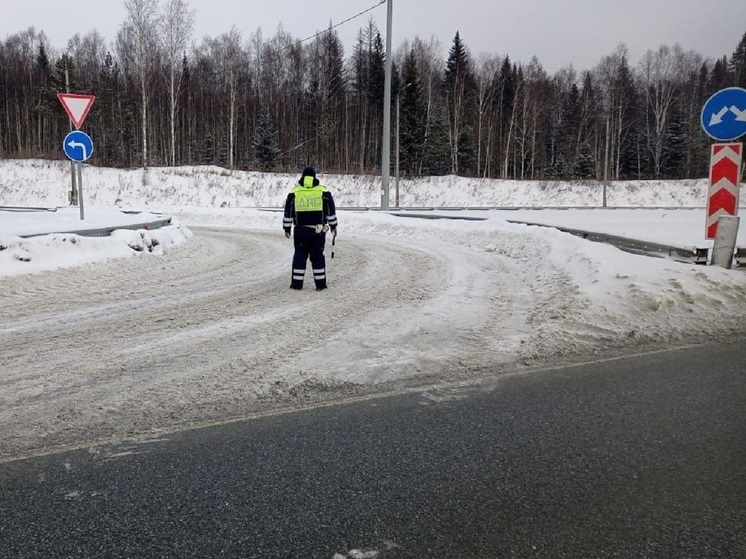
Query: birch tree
[[658, 72], [430, 68], [615, 80], [176, 24], [505, 87], [517, 91], [230, 45], [137, 48], [488, 69]]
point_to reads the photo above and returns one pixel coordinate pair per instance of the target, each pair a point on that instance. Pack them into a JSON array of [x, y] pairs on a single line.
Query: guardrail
[[682, 254], [689, 255], [26, 209], [106, 231]]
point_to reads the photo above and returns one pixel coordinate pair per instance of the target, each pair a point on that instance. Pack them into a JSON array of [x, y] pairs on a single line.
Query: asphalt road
[[643, 457]]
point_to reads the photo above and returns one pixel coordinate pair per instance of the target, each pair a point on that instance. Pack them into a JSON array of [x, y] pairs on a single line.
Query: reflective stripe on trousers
[[308, 245]]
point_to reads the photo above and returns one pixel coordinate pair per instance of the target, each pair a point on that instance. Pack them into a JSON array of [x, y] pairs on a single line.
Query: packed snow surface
[[143, 332]]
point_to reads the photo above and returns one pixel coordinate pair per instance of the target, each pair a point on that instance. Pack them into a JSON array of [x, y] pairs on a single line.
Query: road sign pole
[[80, 189], [74, 185], [78, 147], [73, 178], [723, 119], [724, 245], [76, 106]]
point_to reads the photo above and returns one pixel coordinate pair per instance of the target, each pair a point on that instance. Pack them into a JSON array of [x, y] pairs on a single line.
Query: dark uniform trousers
[[308, 243]]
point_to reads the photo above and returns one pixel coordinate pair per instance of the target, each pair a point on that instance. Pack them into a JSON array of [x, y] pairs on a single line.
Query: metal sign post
[[78, 147], [723, 119], [79, 167], [724, 245]]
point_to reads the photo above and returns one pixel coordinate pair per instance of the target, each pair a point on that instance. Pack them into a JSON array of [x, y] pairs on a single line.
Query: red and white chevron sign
[[725, 176]]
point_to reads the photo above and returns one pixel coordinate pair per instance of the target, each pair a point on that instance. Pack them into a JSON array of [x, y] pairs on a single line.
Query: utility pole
[[386, 155], [606, 163]]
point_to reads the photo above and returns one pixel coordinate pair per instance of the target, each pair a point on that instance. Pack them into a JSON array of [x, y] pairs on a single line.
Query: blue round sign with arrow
[[724, 114], [78, 146]]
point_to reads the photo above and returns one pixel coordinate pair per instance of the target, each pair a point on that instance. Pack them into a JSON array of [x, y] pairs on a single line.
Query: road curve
[[211, 331]]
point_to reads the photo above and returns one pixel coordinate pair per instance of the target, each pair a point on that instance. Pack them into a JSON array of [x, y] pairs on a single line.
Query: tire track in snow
[[210, 330], [206, 330]]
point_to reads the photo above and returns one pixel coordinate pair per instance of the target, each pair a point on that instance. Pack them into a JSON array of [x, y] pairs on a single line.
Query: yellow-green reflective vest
[[308, 198]]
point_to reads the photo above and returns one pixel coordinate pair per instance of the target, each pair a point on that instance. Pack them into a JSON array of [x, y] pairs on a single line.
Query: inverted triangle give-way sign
[[77, 106]]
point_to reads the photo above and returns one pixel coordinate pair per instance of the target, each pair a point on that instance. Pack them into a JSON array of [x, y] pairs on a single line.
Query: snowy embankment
[[20, 256], [46, 183]]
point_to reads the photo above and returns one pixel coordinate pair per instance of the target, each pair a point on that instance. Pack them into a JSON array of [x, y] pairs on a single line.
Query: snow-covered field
[[204, 327]]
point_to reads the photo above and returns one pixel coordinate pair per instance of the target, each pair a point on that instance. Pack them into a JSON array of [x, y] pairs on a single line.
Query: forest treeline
[[280, 103]]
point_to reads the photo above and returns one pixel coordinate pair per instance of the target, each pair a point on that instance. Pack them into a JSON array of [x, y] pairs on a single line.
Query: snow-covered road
[[210, 330]]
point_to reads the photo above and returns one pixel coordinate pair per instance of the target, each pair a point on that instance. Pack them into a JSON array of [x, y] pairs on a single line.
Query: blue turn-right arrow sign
[[724, 114]]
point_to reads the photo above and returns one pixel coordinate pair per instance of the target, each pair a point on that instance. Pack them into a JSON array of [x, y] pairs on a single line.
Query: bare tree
[[519, 87], [177, 24], [430, 68], [137, 48], [231, 46], [88, 53], [530, 108], [617, 89], [658, 72], [488, 68]]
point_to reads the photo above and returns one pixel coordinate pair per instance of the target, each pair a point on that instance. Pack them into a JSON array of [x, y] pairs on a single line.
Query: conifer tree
[[42, 77], [64, 78], [208, 147], [738, 63], [377, 66], [504, 105], [458, 86], [413, 117], [584, 162], [720, 77], [265, 143], [437, 157], [110, 121]]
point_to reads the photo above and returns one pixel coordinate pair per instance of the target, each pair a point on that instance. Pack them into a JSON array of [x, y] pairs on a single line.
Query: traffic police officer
[[310, 208]]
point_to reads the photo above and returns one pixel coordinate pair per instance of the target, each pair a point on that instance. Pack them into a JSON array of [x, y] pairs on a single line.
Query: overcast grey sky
[[558, 32]]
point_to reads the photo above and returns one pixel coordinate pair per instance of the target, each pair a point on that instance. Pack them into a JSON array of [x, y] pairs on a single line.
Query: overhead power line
[[349, 19]]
